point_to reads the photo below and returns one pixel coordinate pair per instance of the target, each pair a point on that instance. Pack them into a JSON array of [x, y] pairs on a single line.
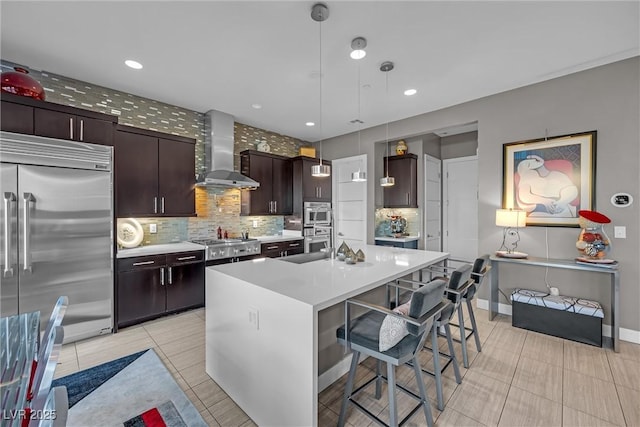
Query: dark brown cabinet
[[33, 117], [282, 248], [404, 194], [154, 285], [273, 172], [155, 173], [308, 188]]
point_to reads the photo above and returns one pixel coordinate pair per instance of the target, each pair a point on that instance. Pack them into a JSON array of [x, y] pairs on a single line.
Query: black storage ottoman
[[571, 318]]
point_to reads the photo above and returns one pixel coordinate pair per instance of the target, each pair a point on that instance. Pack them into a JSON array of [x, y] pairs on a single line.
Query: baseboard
[[628, 335]]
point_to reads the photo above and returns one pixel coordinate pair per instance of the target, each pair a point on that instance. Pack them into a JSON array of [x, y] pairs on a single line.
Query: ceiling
[[228, 55]]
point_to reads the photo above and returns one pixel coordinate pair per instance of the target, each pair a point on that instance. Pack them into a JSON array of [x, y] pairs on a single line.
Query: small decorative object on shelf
[[593, 243], [397, 225], [19, 82], [401, 148], [264, 147]]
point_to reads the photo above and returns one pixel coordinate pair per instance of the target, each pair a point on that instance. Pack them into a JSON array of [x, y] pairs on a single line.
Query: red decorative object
[[594, 216], [19, 82]]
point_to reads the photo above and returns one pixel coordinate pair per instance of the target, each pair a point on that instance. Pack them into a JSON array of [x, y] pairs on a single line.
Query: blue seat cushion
[[365, 331]]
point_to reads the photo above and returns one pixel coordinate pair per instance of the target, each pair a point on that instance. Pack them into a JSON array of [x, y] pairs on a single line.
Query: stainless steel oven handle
[[26, 231], [8, 198]]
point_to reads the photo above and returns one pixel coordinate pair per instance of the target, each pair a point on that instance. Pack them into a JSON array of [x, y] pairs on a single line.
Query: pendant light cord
[[320, 119], [386, 76], [359, 120]]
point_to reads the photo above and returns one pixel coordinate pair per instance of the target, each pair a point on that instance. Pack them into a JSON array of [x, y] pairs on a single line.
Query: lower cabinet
[[412, 244], [282, 248], [154, 285]]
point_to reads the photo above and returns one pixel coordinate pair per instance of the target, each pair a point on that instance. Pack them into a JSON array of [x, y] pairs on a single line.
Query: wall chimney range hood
[[218, 147]]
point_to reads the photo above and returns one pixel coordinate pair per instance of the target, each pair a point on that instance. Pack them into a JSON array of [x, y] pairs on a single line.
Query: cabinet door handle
[[269, 206], [162, 204], [162, 276], [184, 258], [8, 199], [81, 130], [143, 263], [320, 190], [293, 245], [275, 206], [170, 276], [407, 198], [70, 127], [155, 205], [271, 247]]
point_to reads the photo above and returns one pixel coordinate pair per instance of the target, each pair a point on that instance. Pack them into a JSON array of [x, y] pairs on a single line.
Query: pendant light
[[387, 181], [319, 13], [359, 176]]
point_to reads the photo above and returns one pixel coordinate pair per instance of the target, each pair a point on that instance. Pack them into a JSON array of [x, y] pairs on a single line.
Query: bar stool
[[362, 336], [480, 269], [457, 285]]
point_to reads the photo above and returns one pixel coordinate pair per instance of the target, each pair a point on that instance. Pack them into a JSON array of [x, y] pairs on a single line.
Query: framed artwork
[[550, 178]]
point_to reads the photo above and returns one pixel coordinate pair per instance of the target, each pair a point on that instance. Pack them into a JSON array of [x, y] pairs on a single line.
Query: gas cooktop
[[229, 248]]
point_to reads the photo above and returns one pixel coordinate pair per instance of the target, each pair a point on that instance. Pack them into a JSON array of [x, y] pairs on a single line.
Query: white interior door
[[460, 211], [433, 203], [349, 202]]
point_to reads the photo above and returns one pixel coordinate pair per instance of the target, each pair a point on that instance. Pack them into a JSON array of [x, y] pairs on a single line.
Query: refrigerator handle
[[8, 198], [26, 234]]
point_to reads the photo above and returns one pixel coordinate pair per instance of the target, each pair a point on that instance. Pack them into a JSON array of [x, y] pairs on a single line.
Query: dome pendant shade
[[387, 181], [320, 170], [359, 176]]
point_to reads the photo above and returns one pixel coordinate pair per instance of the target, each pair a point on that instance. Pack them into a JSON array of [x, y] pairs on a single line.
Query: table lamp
[[511, 220]]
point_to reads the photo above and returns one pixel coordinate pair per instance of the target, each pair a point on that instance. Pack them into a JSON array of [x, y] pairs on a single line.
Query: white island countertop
[[269, 324], [327, 281]]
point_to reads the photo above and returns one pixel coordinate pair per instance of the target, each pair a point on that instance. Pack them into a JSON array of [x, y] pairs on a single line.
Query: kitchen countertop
[[269, 239], [398, 239], [324, 282], [159, 249]]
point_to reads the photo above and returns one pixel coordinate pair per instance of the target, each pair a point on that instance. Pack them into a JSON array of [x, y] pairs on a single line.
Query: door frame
[[426, 158]]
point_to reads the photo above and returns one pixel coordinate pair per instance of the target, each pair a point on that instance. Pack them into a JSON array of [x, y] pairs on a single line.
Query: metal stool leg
[[474, 325], [348, 388], [426, 406], [463, 337], [378, 379], [436, 365], [454, 360], [391, 388]]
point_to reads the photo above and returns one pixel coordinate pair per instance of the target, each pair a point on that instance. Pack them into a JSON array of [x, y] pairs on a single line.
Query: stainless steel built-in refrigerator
[[57, 231]]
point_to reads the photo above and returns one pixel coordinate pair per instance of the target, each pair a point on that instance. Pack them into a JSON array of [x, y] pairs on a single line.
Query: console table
[[568, 264]]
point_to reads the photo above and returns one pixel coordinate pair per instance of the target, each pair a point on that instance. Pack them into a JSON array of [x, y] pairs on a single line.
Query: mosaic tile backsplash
[[383, 228], [216, 207]]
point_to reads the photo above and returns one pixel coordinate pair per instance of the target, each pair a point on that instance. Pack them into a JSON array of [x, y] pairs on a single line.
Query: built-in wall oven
[[317, 238], [317, 213]]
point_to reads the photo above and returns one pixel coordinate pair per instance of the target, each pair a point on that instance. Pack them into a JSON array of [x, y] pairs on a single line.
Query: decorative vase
[[593, 243], [401, 148], [19, 82]]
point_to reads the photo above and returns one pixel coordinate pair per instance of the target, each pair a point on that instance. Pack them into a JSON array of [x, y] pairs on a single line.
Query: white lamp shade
[[511, 218], [320, 170]]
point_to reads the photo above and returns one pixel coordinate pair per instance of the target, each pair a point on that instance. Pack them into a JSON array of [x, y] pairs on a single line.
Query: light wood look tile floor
[[520, 378]]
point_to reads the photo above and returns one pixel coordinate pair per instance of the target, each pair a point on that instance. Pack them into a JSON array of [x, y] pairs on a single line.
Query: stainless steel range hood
[[218, 146]]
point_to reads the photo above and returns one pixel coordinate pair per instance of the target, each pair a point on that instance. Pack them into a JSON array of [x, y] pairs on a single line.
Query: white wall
[[605, 99]]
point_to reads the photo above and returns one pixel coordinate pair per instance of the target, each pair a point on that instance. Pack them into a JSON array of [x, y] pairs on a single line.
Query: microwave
[[317, 213]]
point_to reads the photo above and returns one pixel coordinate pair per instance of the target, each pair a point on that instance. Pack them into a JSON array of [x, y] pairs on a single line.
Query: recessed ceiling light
[[310, 124], [133, 64], [410, 92], [256, 106]]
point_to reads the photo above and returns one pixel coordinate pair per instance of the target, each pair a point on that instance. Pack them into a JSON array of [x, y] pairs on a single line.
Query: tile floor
[[520, 378]]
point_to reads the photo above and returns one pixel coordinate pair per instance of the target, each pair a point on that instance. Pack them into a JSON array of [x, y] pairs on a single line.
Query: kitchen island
[[266, 319]]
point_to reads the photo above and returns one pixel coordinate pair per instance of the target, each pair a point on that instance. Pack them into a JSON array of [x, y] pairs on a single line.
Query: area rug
[[133, 391]]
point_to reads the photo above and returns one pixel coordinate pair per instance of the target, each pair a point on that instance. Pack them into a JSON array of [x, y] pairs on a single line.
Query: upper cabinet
[[404, 194], [154, 173], [308, 188], [273, 172], [25, 115]]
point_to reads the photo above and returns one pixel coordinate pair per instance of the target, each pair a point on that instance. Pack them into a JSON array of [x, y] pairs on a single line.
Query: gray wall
[[462, 145], [603, 99]]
